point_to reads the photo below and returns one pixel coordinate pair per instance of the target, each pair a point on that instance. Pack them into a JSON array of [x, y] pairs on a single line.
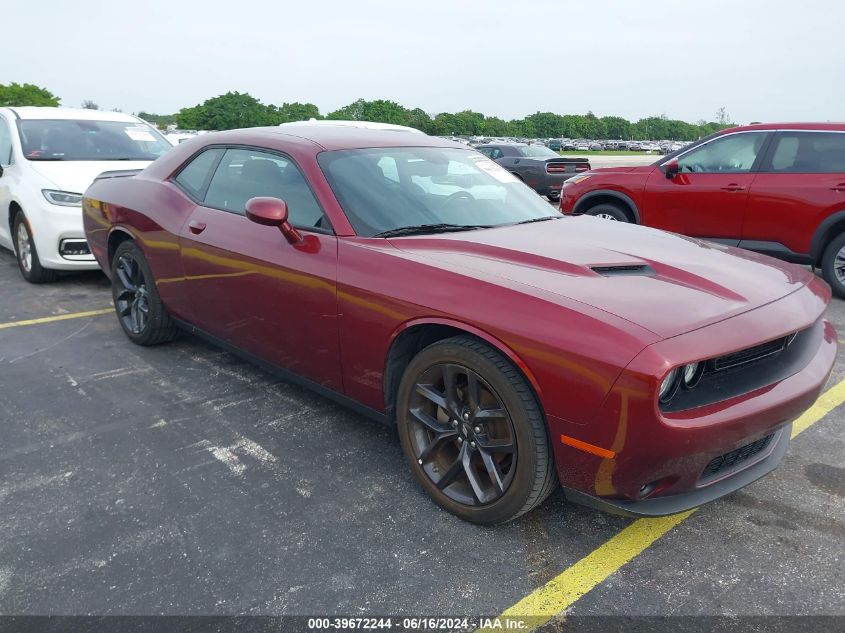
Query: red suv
[[778, 189]]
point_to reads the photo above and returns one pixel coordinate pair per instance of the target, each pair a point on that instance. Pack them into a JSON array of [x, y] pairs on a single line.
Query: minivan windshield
[[66, 139], [386, 189]]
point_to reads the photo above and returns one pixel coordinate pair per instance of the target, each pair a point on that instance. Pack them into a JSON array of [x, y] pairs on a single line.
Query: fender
[[611, 193], [496, 343], [821, 234]]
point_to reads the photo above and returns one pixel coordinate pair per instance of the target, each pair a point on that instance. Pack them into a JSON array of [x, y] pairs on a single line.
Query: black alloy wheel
[[473, 431], [139, 308], [132, 301], [462, 434]]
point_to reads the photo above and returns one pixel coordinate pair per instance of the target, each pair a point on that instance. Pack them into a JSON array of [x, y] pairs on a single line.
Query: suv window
[[246, 173], [195, 175], [734, 153], [808, 153], [5, 143]]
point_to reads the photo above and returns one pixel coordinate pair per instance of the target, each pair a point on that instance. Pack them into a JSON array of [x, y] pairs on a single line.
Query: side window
[[246, 173], [734, 153], [194, 176], [808, 153], [497, 153], [487, 151], [5, 143]]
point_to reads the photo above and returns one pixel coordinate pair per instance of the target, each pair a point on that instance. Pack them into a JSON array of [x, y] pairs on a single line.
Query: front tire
[[26, 254], [139, 308], [833, 265], [608, 211], [473, 432]]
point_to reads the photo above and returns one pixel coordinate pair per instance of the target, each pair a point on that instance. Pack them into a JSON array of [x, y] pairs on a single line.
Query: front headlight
[[63, 198], [692, 374], [576, 179], [667, 387]]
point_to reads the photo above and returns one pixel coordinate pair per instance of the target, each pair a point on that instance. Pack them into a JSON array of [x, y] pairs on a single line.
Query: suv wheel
[[608, 211], [833, 265], [27, 255]]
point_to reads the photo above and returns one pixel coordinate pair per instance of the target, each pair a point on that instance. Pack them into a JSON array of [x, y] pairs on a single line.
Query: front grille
[[729, 461], [751, 354]]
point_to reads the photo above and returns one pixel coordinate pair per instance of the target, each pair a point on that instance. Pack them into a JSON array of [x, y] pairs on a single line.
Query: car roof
[[35, 112], [789, 126], [365, 125], [331, 137]]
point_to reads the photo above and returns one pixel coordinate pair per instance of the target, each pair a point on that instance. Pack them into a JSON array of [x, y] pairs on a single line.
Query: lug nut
[[454, 423], [472, 444], [460, 440], [419, 461], [466, 416], [477, 429]]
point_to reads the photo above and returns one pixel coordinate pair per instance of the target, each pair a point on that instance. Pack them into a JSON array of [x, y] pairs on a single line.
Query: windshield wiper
[[543, 219], [430, 228]]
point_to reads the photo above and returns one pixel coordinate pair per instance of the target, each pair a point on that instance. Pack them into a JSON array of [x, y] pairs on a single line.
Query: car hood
[[76, 176], [666, 283]]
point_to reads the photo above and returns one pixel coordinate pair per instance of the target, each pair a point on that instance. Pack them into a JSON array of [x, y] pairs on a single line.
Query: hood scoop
[[625, 270]]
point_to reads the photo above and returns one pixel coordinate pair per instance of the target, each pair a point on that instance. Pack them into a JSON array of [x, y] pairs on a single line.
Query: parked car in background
[[48, 157], [778, 189], [554, 145], [582, 146], [510, 346], [538, 167]]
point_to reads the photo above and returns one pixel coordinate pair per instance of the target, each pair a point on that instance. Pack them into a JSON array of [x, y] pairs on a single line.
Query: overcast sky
[[764, 60]]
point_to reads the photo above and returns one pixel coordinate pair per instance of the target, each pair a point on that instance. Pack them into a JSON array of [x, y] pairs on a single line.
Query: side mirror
[[672, 168], [272, 212]]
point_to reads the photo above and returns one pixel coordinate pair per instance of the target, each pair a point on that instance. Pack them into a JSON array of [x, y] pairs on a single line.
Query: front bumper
[[672, 504], [660, 459], [53, 225]]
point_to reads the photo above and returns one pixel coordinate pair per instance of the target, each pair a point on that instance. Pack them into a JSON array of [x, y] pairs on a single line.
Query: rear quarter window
[[195, 175]]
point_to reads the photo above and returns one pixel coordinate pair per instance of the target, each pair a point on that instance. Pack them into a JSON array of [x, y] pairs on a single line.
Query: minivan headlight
[[63, 198]]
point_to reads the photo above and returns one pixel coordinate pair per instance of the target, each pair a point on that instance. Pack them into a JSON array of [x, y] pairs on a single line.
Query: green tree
[[296, 111], [226, 112], [26, 95], [616, 127], [90, 105]]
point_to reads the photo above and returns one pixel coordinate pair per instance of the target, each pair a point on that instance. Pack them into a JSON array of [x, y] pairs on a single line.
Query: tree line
[[236, 110]]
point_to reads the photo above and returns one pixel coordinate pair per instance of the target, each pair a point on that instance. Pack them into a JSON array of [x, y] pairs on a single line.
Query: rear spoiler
[[567, 159], [118, 173]]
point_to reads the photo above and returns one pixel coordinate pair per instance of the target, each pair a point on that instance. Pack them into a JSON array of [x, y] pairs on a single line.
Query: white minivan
[[48, 158]]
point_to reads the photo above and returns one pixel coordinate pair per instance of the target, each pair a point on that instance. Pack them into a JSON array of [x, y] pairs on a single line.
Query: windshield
[[536, 151], [390, 188], [90, 140]]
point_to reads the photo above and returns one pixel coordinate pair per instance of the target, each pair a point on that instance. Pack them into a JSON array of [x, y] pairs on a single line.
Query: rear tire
[[608, 211], [139, 308], [833, 265], [479, 448], [26, 254]]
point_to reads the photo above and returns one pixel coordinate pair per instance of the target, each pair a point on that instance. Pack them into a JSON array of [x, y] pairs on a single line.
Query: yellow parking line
[[560, 593], [58, 317]]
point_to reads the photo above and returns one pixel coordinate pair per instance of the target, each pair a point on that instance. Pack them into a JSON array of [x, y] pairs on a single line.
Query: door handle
[[196, 227], [840, 187], [733, 187]]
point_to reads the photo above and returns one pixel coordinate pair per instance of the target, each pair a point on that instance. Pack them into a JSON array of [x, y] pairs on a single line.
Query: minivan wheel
[[26, 254], [608, 211], [473, 432], [139, 308], [833, 265]]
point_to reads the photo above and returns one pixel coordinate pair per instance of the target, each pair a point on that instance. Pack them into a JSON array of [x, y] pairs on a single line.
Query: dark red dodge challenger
[[514, 348]]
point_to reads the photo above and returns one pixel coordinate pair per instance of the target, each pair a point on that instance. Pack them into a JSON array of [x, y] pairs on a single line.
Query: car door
[[251, 288], [708, 198], [801, 182], [5, 179]]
